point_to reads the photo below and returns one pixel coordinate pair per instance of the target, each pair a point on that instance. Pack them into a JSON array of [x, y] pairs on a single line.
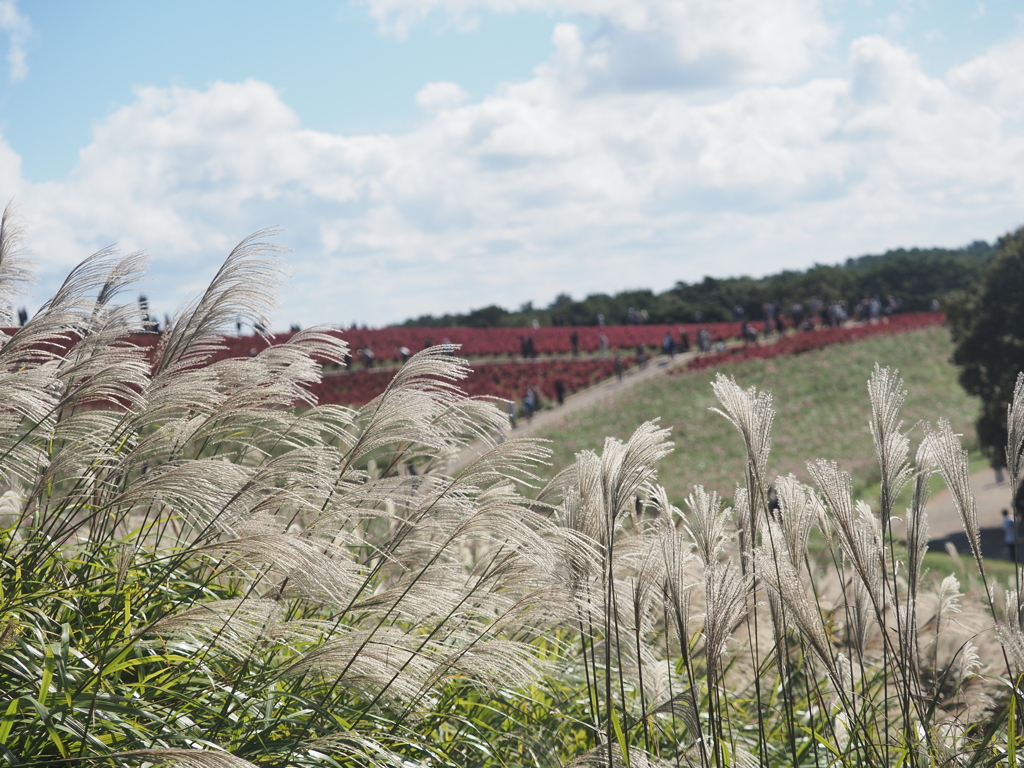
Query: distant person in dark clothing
[[574, 340], [704, 340], [641, 356], [560, 391], [684, 341], [668, 345], [618, 367], [23, 316]]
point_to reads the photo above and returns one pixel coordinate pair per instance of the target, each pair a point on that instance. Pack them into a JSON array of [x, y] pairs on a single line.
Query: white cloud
[[659, 44], [540, 187], [441, 95], [996, 78], [18, 29]]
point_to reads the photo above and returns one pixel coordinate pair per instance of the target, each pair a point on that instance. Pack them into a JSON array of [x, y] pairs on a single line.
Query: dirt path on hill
[[585, 398], [991, 497]]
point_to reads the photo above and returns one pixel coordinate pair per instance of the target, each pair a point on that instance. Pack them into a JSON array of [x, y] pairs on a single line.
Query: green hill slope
[[821, 403]]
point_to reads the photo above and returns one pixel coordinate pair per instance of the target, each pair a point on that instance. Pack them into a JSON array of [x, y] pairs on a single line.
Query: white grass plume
[[14, 267], [951, 459], [891, 445], [752, 414], [1015, 433], [706, 524], [185, 758]]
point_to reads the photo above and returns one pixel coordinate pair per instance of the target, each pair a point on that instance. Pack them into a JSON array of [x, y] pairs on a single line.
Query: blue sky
[[438, 155]]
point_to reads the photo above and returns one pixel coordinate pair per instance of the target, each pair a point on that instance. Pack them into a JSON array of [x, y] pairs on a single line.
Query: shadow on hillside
[[992, 546]]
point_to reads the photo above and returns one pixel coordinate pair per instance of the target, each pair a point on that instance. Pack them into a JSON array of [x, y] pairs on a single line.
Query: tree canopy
[[988, 328], [916, 276]]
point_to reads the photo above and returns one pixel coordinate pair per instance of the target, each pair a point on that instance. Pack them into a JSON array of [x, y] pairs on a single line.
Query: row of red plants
[[506, 380], [807, 341], [501, 342]]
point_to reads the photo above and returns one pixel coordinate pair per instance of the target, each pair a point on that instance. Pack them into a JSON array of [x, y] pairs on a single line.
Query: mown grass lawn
[[821, 404]]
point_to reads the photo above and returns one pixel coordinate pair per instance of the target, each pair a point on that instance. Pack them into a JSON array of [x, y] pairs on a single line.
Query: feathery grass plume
[[184, 758], [1010, 627], [1015, 433], [628, 467], [244, 288], [725, 605], [798, 513], [706, 524], [782, 577], [951, 459], [125, 559], [917, 517], [231, 626], [854, 526], [891, 446], [752, 414], [14, 266]]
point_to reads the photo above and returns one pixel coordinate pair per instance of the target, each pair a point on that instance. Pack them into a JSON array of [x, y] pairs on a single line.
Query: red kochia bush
[[806, 341]]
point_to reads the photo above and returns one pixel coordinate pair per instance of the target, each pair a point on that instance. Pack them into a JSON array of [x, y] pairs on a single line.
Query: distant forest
[[915, 276]]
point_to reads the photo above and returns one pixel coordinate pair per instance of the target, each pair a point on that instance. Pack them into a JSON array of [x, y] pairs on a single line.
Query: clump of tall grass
[[201, 566]]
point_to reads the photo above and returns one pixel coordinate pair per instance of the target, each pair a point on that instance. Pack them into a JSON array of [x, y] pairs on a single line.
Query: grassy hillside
[[822, 411]]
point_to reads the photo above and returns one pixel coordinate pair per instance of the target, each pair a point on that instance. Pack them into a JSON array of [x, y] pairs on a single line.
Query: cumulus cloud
[[658, 44], [441, 95], [994, 79], [540, 187], [18, 29]]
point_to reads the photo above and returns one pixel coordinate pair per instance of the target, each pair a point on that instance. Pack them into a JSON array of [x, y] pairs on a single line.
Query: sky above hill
[[431, 156]]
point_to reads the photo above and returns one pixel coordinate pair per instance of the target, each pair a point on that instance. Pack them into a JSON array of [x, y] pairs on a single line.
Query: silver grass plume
[[891, 445], [677, 586], [125, 560], [855, 528], [725, 604], [752, 414], [782, 577], [1015, 434], [798, 513], [185, 758], [1010, 628], [706, 523], [944, 448], [626, 468], [231, 626], [244, 287], [14, 269], [917, 547]]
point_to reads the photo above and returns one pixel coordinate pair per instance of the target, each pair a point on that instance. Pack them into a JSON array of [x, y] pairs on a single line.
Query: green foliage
[[917, 276], [988, 328]]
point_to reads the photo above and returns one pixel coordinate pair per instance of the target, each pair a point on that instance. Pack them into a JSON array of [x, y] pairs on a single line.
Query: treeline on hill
[[916, 276]]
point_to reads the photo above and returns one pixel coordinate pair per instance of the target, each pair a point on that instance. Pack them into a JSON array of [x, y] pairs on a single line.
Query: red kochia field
[[806, 341], [506, 380], [502, 342]]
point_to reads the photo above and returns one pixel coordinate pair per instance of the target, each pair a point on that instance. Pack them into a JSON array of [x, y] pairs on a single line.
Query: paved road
[[991, 498]]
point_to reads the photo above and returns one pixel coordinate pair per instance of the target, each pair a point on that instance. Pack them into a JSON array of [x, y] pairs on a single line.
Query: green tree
[[988, 328]]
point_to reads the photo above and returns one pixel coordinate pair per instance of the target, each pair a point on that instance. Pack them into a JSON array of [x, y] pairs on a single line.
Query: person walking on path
[[668, 345], [1009, 536], [618, 367], [574, 340], [560, 391]]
